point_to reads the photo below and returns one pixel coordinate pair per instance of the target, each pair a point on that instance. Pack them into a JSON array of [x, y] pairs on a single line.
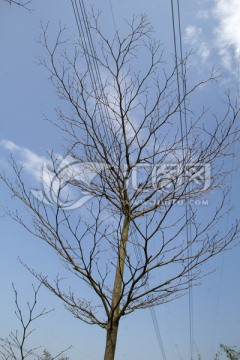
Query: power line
[[113, 17], [99, 78], [92, 64], [226, 227], [152, 310], [178, 352], [189, 209], [184, 136]]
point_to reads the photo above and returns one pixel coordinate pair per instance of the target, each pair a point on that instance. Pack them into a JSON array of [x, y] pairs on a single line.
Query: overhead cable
[[184, 135]]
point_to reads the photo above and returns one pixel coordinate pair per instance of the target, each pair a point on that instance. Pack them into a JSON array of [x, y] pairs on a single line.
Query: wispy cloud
[[192, 34], [54, 175], [215, 36], [32, 162], [194, 37], [204, 14], [227, 31]]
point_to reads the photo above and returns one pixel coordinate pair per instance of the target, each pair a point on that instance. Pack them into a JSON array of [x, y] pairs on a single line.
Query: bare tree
[[138, 248], [14, 345]]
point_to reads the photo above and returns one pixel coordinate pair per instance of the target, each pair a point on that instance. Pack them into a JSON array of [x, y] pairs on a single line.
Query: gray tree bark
[[113, 323], [111, 342]]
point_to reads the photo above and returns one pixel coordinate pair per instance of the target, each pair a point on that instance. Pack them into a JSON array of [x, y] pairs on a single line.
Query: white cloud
[[204, 50], [193, 36], [217, 33], [54, 175], [32, 162], [203, 14], [9, 145], [227, 14]]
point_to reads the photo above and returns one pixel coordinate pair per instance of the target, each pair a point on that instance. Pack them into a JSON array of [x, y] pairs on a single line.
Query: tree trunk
[[111, 342], [117, 289]]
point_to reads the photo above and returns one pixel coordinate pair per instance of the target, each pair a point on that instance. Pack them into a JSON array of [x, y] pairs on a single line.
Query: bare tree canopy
[[137, 248]]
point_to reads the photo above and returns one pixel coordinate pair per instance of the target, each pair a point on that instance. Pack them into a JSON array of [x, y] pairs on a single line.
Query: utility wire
[[95, 77], [187, 207], [92, 64], [180, 357], [93, 52], [113, 17], [99, 78], [226, 227], [139, 258]]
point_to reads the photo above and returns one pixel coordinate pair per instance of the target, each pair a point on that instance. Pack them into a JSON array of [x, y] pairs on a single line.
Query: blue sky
[[212, 29]]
